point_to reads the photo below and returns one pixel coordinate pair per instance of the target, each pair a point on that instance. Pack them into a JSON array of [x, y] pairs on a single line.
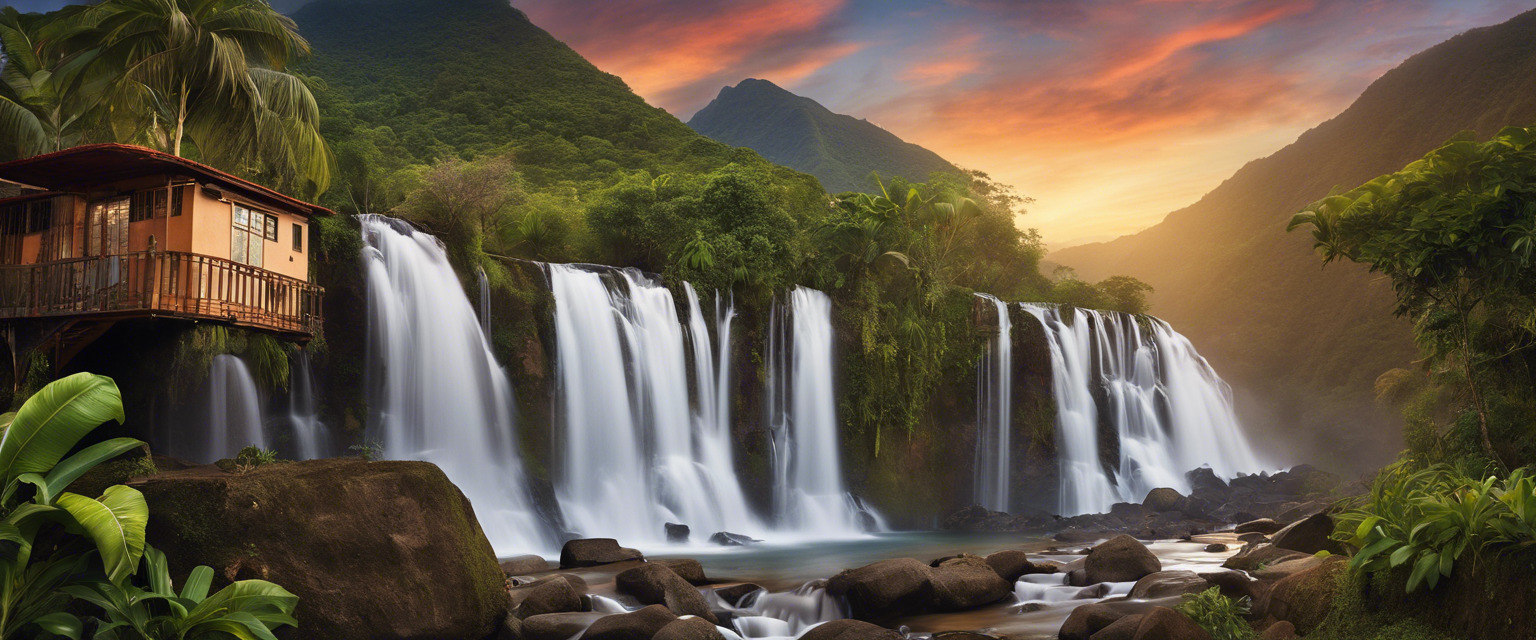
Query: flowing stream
[[1167, 408], [435, 390]]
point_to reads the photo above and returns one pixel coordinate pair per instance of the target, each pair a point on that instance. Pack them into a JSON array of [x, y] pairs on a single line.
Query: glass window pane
[[253, 254], [237, 245], [272, 228], [298, 237], [242, 216]]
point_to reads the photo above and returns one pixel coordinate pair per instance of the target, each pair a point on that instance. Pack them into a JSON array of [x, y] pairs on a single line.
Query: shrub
[[1220, 616], [251, 457]]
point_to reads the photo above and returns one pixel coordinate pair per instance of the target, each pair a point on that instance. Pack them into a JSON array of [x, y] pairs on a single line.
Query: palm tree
[[48, 100], [212, 73]]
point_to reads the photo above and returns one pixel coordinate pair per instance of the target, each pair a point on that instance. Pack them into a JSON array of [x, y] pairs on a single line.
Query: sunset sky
[[1110, 113]]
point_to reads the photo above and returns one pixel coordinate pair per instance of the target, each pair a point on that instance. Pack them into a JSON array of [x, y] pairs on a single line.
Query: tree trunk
[[181, 119], [1477, 395]]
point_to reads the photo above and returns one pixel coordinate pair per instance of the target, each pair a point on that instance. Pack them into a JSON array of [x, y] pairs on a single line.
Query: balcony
[[162, 284]]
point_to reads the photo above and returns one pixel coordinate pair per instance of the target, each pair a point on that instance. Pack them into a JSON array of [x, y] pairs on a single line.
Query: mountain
[[799, 133], [1301, 344]]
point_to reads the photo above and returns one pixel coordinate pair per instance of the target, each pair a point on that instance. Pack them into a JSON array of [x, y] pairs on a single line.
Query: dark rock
[[1215, 547], [656, 584], [1262, 525], [849, 630], [522, 565], [1089, 619], [1130, 511], [1162, 623], [511, 628], [1166, 584], [1233, 584], [1286, 568], [967, 582], [733, 594], [1304, 598], [366, 529], [1092, 592], [557, 626], [689, 629], [677, 532], [553, 594], [1203, 482], [1163, 499], [1259, 553], [685, 568], [641, 624], [728, 539], [898, 585], [1308, 535], [1012, 563], [591, 552], [1120, 559], [1253, 537], [1122, 629], [1077, 535], [1281, 630]]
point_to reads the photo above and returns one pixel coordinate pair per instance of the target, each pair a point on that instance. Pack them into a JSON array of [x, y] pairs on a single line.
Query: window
[[298, 237], [152, 203], [246, 235], [271, 228]]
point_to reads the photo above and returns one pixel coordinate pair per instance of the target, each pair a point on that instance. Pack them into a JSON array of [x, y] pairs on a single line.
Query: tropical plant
[[35, 473], [48, 99], [251, 457], [245, 609], [1220, 616]]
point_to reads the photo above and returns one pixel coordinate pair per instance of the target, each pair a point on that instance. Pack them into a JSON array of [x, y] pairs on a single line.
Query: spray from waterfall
[[1168, 409], [994, 413], [435, 391]]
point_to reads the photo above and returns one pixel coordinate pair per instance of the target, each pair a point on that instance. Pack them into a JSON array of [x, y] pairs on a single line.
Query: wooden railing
[[168, 283]]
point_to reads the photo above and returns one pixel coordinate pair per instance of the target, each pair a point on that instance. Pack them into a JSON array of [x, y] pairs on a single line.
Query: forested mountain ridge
[[797, 132], [1309, 342]]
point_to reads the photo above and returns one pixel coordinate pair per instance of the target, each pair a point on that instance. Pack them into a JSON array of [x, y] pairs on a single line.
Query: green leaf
[[60, 624], [198, 582], [1401, 555], [54, 419], [116, 522], [77, 465]]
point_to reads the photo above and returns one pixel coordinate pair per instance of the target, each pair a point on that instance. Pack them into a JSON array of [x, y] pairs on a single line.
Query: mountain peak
[[800, 133]]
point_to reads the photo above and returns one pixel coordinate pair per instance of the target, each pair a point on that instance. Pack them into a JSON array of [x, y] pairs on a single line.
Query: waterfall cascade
[[310, 440], [808, 480], [1169, 409], [435, 390], [994, 413], [234, 418], [637, 453]]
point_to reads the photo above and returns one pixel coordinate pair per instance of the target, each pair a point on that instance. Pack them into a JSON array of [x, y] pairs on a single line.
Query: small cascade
[[234, 414], [994, 413], [636, 452], [310, 439], [809, 495], [436, 392], [762, 614], [1169, 410], [485, 300]]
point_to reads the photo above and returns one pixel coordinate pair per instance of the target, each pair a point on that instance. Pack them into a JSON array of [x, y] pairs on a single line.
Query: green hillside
[[799, 133], [1301, 345]]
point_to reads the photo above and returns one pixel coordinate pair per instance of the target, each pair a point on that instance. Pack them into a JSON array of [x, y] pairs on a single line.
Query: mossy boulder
[[372, 549], [1305, 598]]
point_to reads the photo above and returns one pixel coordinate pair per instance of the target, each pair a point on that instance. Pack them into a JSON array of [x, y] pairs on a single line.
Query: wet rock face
[[685, 568], [1308, 535], [1121, 559], [850, 630], [592, 552], [884, 588], [552, 594], [967, 582], [642, 624], [366, 527], [677, 532], [1165, 584], [656, 584]]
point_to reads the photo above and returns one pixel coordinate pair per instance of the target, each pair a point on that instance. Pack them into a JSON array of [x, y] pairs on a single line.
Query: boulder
[[849, 630], [1262, 525], [511, 628], [1281, 630], [1215, 547], [591, 552], [366, 528], [557, 626], [685, 568], [655, 584], [1255, 554], [1234, 584], [1163, 499], [1122, 629], [677, 532], [898, 585], [728, 539], [1120, 559], [689, 628], [523, 565], [733, 594], [552, 594], [967, 582], [1011, 564], [1089, 619], [641, 624], [1304, 598], [1167, 584], [1162, 623], [1285, 568], [1253, 537], [1308, 535], [1203, 482]]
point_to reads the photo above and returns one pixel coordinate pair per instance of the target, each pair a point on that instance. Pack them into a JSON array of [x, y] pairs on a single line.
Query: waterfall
[[712, 417], [234, 413], [994, 413], [435, 390], [808, 482], [1168, 409], [636, 455], [309, 434], [485, 300]]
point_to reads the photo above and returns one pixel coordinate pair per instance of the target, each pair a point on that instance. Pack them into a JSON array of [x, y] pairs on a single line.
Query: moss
[[1352, 618]]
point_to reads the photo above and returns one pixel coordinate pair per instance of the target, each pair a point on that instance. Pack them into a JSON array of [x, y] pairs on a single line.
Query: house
[[107, 232]]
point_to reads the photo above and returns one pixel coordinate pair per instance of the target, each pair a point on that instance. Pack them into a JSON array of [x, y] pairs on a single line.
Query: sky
[[1109, 113]]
